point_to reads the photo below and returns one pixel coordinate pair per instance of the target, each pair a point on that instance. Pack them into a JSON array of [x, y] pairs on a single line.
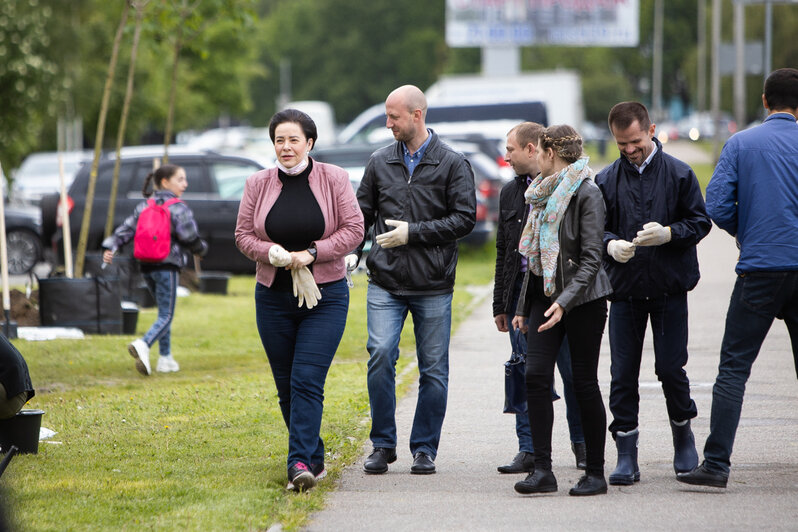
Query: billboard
[[479, 23]]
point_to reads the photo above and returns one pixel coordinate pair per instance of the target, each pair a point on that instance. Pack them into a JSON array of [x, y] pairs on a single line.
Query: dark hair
[[527, 132], [781, 89], [153, 180], [564, 140], [297, 117], [624, 114]]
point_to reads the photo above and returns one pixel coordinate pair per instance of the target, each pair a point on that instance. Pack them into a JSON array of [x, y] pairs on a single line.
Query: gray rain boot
[[626, 472], [685, 457]]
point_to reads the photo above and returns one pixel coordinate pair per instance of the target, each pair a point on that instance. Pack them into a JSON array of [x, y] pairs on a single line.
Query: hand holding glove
[[621, 250], [351, 262], [278, 256], [395, 238], [305, 289], [653, 234]]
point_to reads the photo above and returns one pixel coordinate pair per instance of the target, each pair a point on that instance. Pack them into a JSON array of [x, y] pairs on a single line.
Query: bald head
[[410, 97], [405, 110]]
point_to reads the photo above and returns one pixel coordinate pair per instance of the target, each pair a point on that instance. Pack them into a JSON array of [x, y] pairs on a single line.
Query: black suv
[[215, 185]]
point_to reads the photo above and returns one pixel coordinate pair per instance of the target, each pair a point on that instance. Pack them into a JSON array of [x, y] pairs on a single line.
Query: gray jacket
[[580, 277]]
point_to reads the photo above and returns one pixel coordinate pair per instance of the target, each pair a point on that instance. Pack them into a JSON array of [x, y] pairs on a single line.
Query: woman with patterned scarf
[[564, 294]]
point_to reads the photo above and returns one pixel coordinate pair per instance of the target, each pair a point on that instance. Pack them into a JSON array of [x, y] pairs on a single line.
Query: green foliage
[[201, 449], [27, 77]]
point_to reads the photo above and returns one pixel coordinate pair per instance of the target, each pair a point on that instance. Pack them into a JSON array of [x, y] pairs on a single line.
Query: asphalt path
[[467, 493]]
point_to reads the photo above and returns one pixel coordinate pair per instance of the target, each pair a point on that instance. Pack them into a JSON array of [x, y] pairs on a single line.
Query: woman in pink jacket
[[297, 222]]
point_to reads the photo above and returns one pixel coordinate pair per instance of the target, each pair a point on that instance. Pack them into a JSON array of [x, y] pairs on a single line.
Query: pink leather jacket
[[343, 221]]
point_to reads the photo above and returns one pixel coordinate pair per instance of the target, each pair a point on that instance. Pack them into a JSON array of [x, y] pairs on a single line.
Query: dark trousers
[[300, 345], [584, 327], [628, 321], [757, 299]]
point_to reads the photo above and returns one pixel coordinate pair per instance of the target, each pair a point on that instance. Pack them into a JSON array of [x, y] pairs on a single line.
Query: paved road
[[468, 494]]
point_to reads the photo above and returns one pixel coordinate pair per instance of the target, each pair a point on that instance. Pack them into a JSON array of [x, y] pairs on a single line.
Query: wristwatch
[[312, 251]]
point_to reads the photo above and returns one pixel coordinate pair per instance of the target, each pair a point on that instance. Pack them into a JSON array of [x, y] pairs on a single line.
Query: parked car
[[39, 174], [215, 185], [23, 238]]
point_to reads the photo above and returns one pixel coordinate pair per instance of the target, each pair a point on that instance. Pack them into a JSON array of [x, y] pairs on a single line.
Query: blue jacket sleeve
[[722, 191]]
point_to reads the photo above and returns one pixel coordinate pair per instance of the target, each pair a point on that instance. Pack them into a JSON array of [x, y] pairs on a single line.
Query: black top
[[295, 220], [13, 370]]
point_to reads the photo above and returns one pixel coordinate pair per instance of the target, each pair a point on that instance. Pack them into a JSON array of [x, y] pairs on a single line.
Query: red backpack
[[153, 238]]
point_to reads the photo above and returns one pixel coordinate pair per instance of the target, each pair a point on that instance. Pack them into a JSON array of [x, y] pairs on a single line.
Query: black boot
[[541, 481], [626, 472], [523, 462], [590, 484], [580, 454], [685, 457]]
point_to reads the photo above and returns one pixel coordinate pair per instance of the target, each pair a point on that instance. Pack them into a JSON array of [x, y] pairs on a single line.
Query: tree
[[28, 87]]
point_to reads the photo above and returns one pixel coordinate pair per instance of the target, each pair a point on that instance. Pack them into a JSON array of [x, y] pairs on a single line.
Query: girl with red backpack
[[160, 263]]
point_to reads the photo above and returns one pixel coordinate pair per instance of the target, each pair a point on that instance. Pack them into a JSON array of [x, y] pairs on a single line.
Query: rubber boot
[[626, 472], [685, 456]]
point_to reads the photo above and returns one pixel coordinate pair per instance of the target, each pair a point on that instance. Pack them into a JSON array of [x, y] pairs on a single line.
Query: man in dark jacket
[[522, 143], [419, 195], [655, 217]]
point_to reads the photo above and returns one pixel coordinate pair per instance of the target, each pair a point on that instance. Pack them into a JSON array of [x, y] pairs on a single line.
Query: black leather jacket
[[580, 277], [513, 212], [438, 202]]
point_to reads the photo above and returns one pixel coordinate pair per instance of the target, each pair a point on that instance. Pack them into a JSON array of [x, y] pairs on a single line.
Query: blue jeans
[[522, 429], [162, 283], [300, 345], [628, 320], [757, 298], [432, 321]]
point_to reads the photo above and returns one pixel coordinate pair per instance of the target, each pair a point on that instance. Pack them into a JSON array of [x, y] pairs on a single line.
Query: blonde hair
[[564, 140]]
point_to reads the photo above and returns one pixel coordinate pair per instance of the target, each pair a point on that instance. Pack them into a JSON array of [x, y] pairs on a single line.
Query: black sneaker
[[300, 478], [523, 462], [378, 460], [541, 481], [318, 471]]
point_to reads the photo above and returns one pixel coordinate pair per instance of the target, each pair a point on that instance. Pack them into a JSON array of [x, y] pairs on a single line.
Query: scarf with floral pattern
[[549, 197]]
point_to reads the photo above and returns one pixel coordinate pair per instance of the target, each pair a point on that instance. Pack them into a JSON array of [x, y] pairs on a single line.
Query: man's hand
[[278, 256], [621, 250], [554, 313], [395, 238], [653, 234], [305, 288], [519, 323], [501, 322]]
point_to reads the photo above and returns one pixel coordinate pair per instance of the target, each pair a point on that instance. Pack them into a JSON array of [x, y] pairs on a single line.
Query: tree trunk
[[98, 143], [172, 94], [120, 137]]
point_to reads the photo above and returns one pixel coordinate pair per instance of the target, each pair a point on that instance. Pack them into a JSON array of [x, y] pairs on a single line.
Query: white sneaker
[[167, 365], [139, 350]]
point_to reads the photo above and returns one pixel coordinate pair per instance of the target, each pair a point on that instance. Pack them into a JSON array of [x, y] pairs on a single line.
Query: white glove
[[621, 250], [278, 256], [351, 262], [397, 237], [653, 234], [305, 289]]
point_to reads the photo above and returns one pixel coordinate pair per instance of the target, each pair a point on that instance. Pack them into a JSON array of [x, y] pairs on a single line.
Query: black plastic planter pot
[[22, 431], [130, 317], [214, 282]]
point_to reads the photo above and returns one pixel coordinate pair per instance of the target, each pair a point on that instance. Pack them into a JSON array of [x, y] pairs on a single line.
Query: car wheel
[[24, 251]]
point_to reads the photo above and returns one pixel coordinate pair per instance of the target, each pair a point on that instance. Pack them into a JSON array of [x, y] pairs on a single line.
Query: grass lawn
[[202, 449]]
